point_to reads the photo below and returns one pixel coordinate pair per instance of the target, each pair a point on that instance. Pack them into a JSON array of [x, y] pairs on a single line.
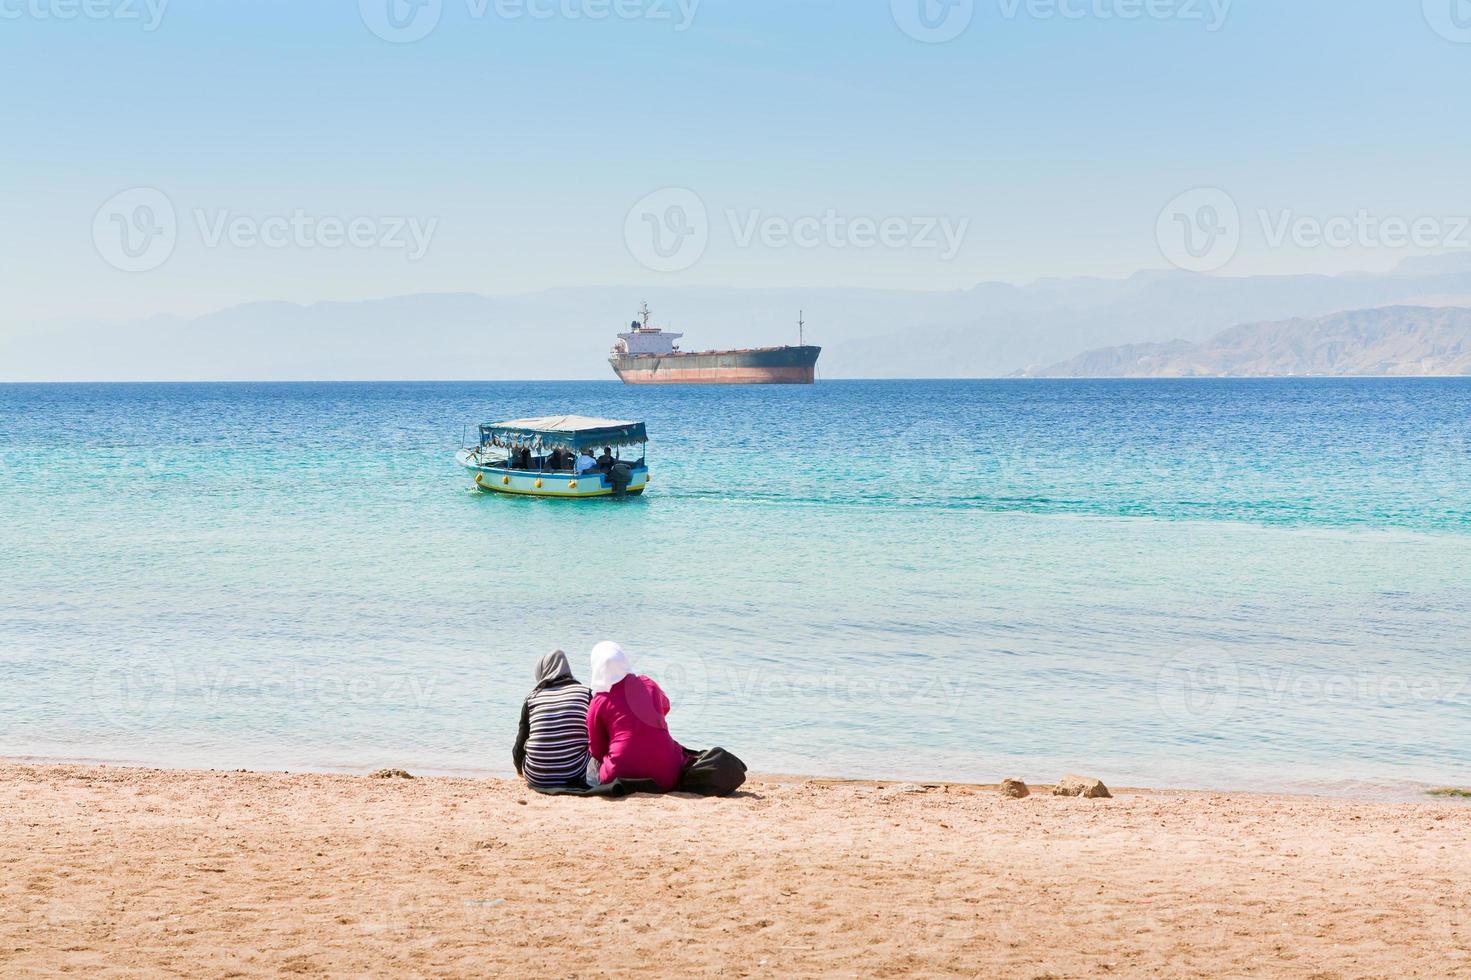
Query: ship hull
[[766, 366]]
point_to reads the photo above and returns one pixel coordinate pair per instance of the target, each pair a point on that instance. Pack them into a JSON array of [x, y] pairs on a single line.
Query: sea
[[1216, 584]]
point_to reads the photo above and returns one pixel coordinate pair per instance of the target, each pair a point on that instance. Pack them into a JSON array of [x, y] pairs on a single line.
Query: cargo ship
[[647, 355]]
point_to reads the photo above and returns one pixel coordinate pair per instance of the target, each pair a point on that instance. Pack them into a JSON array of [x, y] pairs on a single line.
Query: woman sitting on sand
[[551, 747], [626, 731]]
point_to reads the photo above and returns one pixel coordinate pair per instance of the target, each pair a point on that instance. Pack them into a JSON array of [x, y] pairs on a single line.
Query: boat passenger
[[585, 462], [551, 746], [626, 731], [606, 461], [558, 459]]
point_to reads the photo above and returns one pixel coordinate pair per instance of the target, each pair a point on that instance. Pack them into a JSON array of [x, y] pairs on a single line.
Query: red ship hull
[[769, 365]]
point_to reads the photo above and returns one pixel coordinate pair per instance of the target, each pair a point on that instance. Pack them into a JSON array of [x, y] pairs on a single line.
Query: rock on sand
[[902, 789], [1092, 789], [1014, 788]]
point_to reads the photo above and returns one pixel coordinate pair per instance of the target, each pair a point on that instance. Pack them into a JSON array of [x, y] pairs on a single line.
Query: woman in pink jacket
[[626, 730]]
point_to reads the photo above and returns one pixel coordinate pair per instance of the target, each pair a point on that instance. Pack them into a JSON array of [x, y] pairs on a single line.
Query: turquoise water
[[1240, 584]]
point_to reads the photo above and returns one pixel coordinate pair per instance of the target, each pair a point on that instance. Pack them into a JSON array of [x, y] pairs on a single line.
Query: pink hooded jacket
[[626, 730]]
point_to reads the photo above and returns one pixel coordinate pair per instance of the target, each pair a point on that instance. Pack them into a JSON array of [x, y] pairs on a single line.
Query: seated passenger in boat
[[556, 456]]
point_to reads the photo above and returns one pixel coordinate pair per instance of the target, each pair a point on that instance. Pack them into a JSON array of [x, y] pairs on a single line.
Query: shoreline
[[243, 873], [1348, 791]]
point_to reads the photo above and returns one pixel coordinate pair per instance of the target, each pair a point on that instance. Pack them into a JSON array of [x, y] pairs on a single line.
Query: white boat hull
[[533, 483]]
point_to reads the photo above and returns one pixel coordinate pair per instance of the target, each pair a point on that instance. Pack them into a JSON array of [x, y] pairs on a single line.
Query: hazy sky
[[322, 149]]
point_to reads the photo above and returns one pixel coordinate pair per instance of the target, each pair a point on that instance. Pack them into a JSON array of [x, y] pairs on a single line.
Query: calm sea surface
[[1239, 584]]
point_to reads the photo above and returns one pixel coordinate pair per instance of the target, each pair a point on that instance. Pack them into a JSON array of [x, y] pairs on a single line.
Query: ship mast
[[800, 325], [644, 314]]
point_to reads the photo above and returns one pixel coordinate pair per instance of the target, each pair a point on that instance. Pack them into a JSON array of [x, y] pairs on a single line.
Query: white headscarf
[[609, 666]]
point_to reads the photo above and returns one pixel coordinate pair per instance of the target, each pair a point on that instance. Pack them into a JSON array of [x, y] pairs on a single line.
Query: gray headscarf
[[553, 668]]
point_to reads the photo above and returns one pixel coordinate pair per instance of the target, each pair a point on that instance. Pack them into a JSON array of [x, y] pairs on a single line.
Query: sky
[[181, 156]]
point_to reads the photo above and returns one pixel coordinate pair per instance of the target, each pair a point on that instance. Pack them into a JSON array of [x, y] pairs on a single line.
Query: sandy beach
[[242, 874]]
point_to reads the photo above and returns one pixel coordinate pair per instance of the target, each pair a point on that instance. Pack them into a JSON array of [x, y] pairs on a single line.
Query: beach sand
[[241, 874]]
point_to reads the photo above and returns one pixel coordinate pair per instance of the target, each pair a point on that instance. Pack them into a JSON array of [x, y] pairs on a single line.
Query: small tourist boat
[[539, 457]]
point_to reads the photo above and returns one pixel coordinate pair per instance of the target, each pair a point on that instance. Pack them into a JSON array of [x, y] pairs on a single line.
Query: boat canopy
[[574, 432]]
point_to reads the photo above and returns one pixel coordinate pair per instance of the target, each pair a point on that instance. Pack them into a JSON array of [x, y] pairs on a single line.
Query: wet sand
[[245, 874]]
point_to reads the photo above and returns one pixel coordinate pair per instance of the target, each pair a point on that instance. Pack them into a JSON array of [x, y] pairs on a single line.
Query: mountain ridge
[[992, 329], [1393, 341]]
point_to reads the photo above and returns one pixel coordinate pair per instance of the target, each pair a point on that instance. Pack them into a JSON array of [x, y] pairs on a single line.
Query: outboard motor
[[620, 475]]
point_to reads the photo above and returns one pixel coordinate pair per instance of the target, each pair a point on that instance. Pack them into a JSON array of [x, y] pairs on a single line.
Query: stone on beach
[[390, 774], [902, 789], [1084, 786], [1014, 789]]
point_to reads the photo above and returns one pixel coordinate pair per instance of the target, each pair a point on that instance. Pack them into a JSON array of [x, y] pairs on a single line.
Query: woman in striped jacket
[[551, 747]]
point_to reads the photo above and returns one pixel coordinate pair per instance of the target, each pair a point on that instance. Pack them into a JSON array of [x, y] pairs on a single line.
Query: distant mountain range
[[990, 330], [1391, 341]]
